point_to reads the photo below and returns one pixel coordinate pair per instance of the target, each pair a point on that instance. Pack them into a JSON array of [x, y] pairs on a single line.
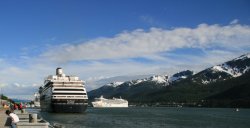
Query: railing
[[69, 97]]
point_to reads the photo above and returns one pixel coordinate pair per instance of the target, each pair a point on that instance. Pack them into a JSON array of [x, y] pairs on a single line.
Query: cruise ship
[[62, 93], [36, 100], [115, 102]]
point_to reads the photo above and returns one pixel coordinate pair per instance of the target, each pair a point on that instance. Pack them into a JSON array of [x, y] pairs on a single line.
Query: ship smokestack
[[59, 71]]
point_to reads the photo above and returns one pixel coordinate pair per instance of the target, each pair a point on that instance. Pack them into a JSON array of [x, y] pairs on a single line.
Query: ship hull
[[69, 108], [109, 105], [64, 108], [51, 106]]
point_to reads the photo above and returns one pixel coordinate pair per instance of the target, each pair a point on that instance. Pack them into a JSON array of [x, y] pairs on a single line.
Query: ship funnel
[[59, 71]]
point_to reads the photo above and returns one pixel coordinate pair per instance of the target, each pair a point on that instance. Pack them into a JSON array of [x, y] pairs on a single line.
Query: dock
[[3, 118], [27, 120]]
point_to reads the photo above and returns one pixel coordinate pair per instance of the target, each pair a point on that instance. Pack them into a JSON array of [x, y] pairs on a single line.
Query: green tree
[[3, 97]]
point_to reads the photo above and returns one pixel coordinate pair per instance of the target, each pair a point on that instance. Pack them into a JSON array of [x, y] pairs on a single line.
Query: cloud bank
[[138, 52], [140, 43]]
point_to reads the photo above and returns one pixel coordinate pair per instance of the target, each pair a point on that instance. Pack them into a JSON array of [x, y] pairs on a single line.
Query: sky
[[96, 39]]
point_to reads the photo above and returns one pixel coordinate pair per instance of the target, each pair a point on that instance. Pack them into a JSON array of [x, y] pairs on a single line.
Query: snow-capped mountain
[[135, 87], [163, 80], [227, 85], [224, 71], [159, 79], [100, 81], [181, 75], [114, 84], [236, 67]]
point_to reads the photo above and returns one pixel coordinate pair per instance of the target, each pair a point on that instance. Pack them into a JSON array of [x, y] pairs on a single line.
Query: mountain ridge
[[191, 88]]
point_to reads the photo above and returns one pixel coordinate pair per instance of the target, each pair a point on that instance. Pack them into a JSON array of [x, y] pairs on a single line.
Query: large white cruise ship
[[115, 102], [62, 93]]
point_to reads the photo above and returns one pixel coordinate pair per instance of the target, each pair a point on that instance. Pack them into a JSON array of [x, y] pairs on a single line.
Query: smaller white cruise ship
[[115, 102], [37, 100]]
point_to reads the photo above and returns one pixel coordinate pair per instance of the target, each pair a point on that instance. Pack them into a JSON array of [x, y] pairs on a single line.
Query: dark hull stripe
[[68, 108]]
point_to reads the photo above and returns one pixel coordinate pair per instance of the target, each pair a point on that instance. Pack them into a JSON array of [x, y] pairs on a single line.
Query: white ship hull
[[101, 105], [110, 103]]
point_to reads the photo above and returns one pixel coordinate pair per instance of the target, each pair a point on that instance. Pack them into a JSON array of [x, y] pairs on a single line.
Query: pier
[[27, 120], [3, 118]]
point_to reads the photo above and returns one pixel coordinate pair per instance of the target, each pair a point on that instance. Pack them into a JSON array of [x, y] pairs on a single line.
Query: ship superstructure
[[62, 93], [115, 102]]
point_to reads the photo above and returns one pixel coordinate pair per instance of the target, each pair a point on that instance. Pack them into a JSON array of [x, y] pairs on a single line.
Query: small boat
[[237, 109]]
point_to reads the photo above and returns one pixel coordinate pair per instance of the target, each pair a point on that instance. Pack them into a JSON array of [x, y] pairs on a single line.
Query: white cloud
[[235, 21], [2, 85], [142, 43], [108, 57], [151, 21]]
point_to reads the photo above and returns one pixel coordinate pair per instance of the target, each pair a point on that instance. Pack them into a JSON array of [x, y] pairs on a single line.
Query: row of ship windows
[[68, 89], [69, 93], [65, 101]]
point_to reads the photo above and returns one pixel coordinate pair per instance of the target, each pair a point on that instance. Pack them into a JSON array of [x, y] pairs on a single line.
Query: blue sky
[[97, 39]]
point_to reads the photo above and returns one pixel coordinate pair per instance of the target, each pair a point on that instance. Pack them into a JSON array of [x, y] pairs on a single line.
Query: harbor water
[[151, 117]]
